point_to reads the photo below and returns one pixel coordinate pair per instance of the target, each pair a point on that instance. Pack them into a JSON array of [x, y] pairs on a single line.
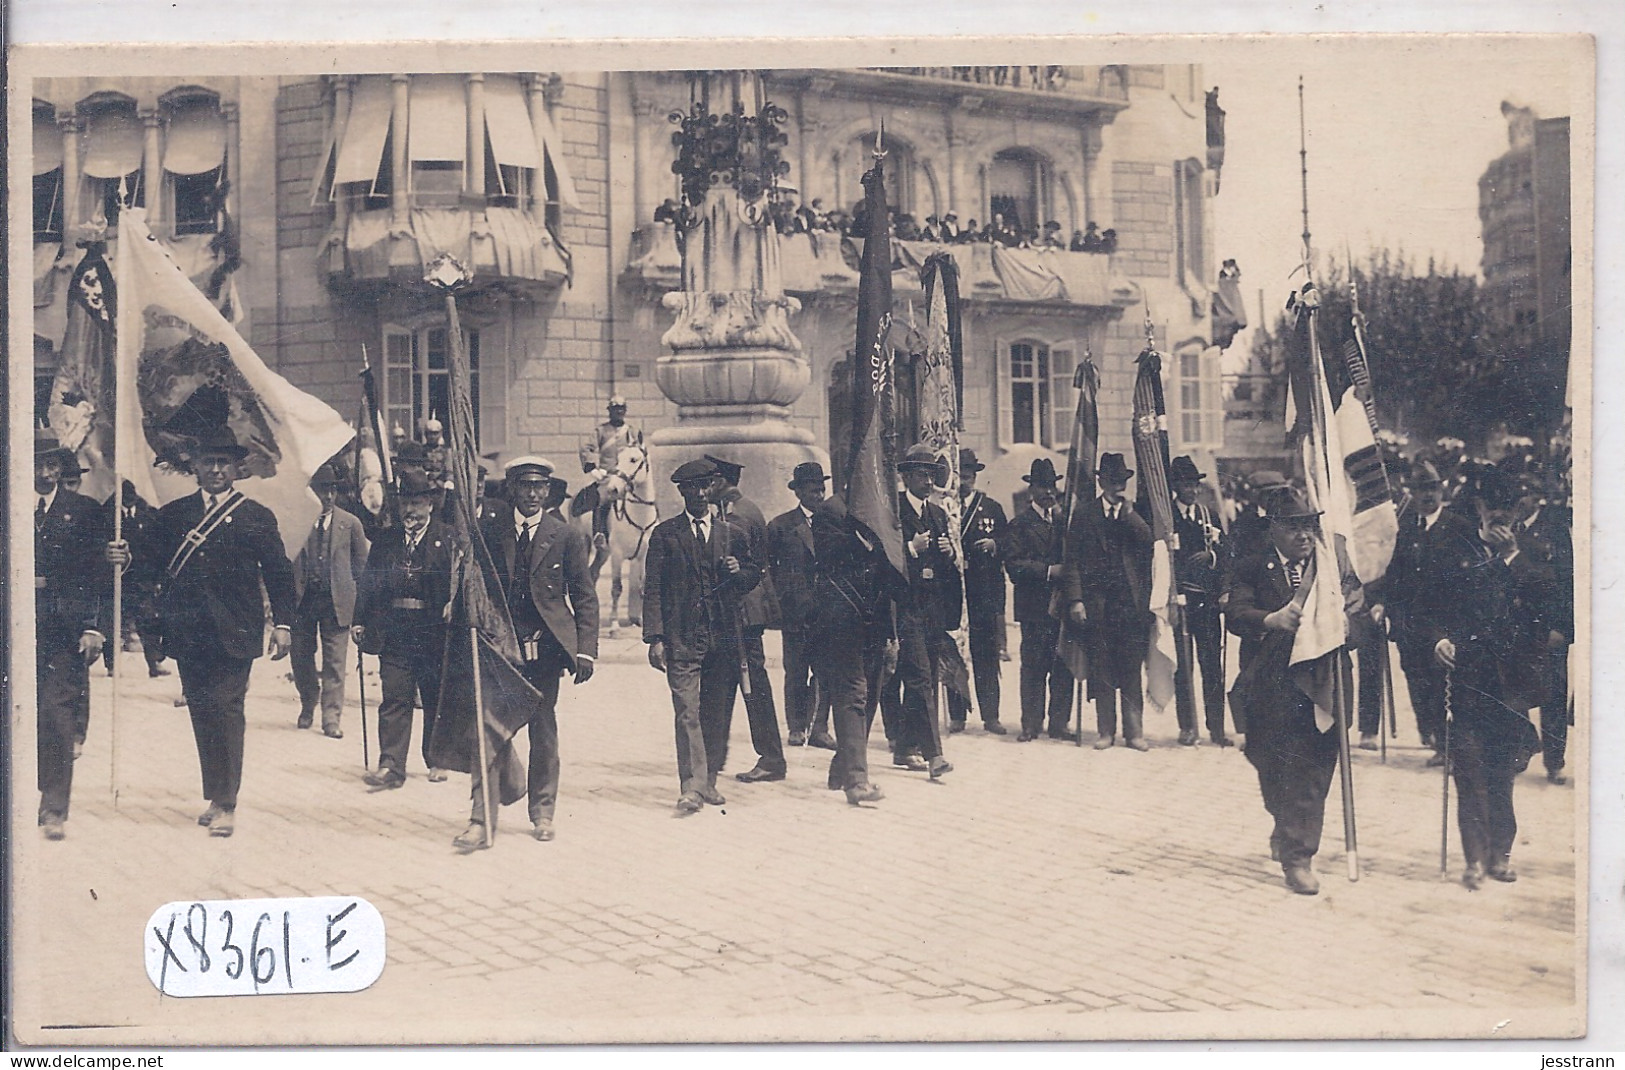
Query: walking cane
[[361, 673], [1385, 686], [1340, 712], [1444, 786]]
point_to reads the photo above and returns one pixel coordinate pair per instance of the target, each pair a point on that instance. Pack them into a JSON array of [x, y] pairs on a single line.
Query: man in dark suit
[[792, 564], [72, 476], [926, 652], [1483, 614], [542, 566], [1033, 558], [68, 630], [140, 599], [211, 552], [1197, 570], [691, 595], [981, 534], [1427, 534], [1545, 532], [1293, 755], [400, 615], [325, 574], [1108, 591], [758, 609]]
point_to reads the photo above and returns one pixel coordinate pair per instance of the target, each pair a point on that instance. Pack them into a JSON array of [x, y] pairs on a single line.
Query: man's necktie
[[701, 535], [1294, 572], [521, 557], [39, 516]]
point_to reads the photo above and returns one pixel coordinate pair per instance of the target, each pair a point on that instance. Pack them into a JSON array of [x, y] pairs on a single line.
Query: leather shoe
[[1105, 742], [1223, 741], [53, 828], [711, 795], [1300, 878], [823, 741], [155, 671], [862, 793], [1139, 743], [1503, 872], [78, 747], [1275, 851], [914, 763], [1556, 776], [542, 830], [1065, 735], [305, 721], [1436, 759], [758, 774], [384, 779], [1368, 741], [224, 824], [994, 728], [1188, 738], [472, 838], [1026, 737], [1472, 877], [955, 727], [689, 803], [333, 732], [206, 818], [437, 776], [797, 739], [940, 767]]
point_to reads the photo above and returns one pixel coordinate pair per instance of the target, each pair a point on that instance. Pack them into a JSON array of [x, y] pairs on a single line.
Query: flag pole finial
[[880, 142]]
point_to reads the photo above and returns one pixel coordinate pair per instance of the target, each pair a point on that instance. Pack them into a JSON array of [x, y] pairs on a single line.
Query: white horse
[[628, 490]]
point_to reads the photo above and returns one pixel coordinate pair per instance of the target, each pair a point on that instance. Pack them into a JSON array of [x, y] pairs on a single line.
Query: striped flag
[[1151, 454]]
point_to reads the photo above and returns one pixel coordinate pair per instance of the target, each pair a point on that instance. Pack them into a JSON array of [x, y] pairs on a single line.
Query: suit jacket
[[759, 608], [387, 569], [1197, 561], [791, 563], [559, 580], [854, 588], [690, 602], [70, 573], [980, 517], [1110, 567], [1032, 545], [214, 606], [1420, 553], [1549, 541], [347, 548], [938, 598]]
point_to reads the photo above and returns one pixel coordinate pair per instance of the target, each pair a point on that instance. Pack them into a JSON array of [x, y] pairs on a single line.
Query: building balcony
[[503, 246], [1093, 93]]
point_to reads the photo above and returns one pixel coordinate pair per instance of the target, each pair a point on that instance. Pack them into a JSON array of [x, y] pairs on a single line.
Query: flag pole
[[117, 638]]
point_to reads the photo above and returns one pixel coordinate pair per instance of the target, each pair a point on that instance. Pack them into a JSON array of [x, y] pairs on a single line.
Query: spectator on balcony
[[1054, 77], [668, 212], [1088, 241], [971, 233], [1000, 232], [949, 231], [1052, 236], [929, 231], [1108, 241], [811, 218], [907, 229]]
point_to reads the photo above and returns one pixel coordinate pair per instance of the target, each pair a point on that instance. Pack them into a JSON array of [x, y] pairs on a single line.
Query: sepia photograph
[[800, 541]]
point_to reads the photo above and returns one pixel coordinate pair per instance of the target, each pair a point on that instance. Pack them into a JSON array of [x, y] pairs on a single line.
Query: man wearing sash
[[210, 552]]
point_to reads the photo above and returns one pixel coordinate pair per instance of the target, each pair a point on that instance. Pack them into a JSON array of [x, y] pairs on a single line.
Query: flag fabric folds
[[1071, 646], [1375, 516], [1151, 454], [82, 393], [939, 424], [871, 490], [182, 367]]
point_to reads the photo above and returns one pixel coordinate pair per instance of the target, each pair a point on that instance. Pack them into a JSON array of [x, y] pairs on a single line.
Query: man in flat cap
[[1108, 590], [542, 568], [1201, 548], [758, 609], [792, 564], [1293, 753], [982, 534], [68, 621], [212, 553], [696, 572], [400, 615], [325, 574], [1033, 558]]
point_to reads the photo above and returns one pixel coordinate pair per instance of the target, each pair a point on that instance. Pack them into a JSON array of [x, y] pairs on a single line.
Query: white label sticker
[[264, 947]]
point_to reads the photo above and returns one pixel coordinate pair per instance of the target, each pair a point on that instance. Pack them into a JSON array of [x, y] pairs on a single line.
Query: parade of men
[[213, 553], [1033, 558], [792, 566], [981, 533], [68, 627], [325, 575], [400, 616], [542, 567]]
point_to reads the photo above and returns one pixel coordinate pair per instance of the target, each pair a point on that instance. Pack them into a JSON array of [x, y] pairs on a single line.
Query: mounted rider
[[598, 457]]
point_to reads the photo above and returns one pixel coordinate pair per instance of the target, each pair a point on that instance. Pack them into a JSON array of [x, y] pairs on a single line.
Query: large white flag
[[181, 366]]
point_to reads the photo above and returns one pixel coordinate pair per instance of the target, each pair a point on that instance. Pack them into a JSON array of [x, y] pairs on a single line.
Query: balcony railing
[[1108, 82]]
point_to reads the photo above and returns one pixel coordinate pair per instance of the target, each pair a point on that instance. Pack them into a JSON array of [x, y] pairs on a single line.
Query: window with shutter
[[1003, 423]]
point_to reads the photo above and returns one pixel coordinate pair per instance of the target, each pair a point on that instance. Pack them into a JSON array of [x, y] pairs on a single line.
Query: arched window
[[110, 154], [1018, 189], [194, 159]]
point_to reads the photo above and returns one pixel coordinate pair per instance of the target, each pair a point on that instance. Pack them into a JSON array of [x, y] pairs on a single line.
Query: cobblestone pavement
[[1039, 891]]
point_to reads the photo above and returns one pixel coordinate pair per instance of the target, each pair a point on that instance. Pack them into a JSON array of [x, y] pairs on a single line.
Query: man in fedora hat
[[325, 573], [981, 534], [1201, 548], [400, 615], [695, 574], [792, 564], [1545, 531], [68, 627], [1108, 589], [1033, 559], [758, 608], [1293, 757], [211, 553], [1488, 619]]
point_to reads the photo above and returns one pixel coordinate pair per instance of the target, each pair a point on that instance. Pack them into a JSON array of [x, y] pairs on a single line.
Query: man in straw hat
[[1033, 558], [212, 552], [68, 625], [325, 573]]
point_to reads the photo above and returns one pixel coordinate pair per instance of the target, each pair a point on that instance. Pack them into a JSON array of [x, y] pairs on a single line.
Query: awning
[[553, 146], [112, 144], [47, 145], [437, 118], [365, 131], [507, 122], [196, 140], [320, 184]]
